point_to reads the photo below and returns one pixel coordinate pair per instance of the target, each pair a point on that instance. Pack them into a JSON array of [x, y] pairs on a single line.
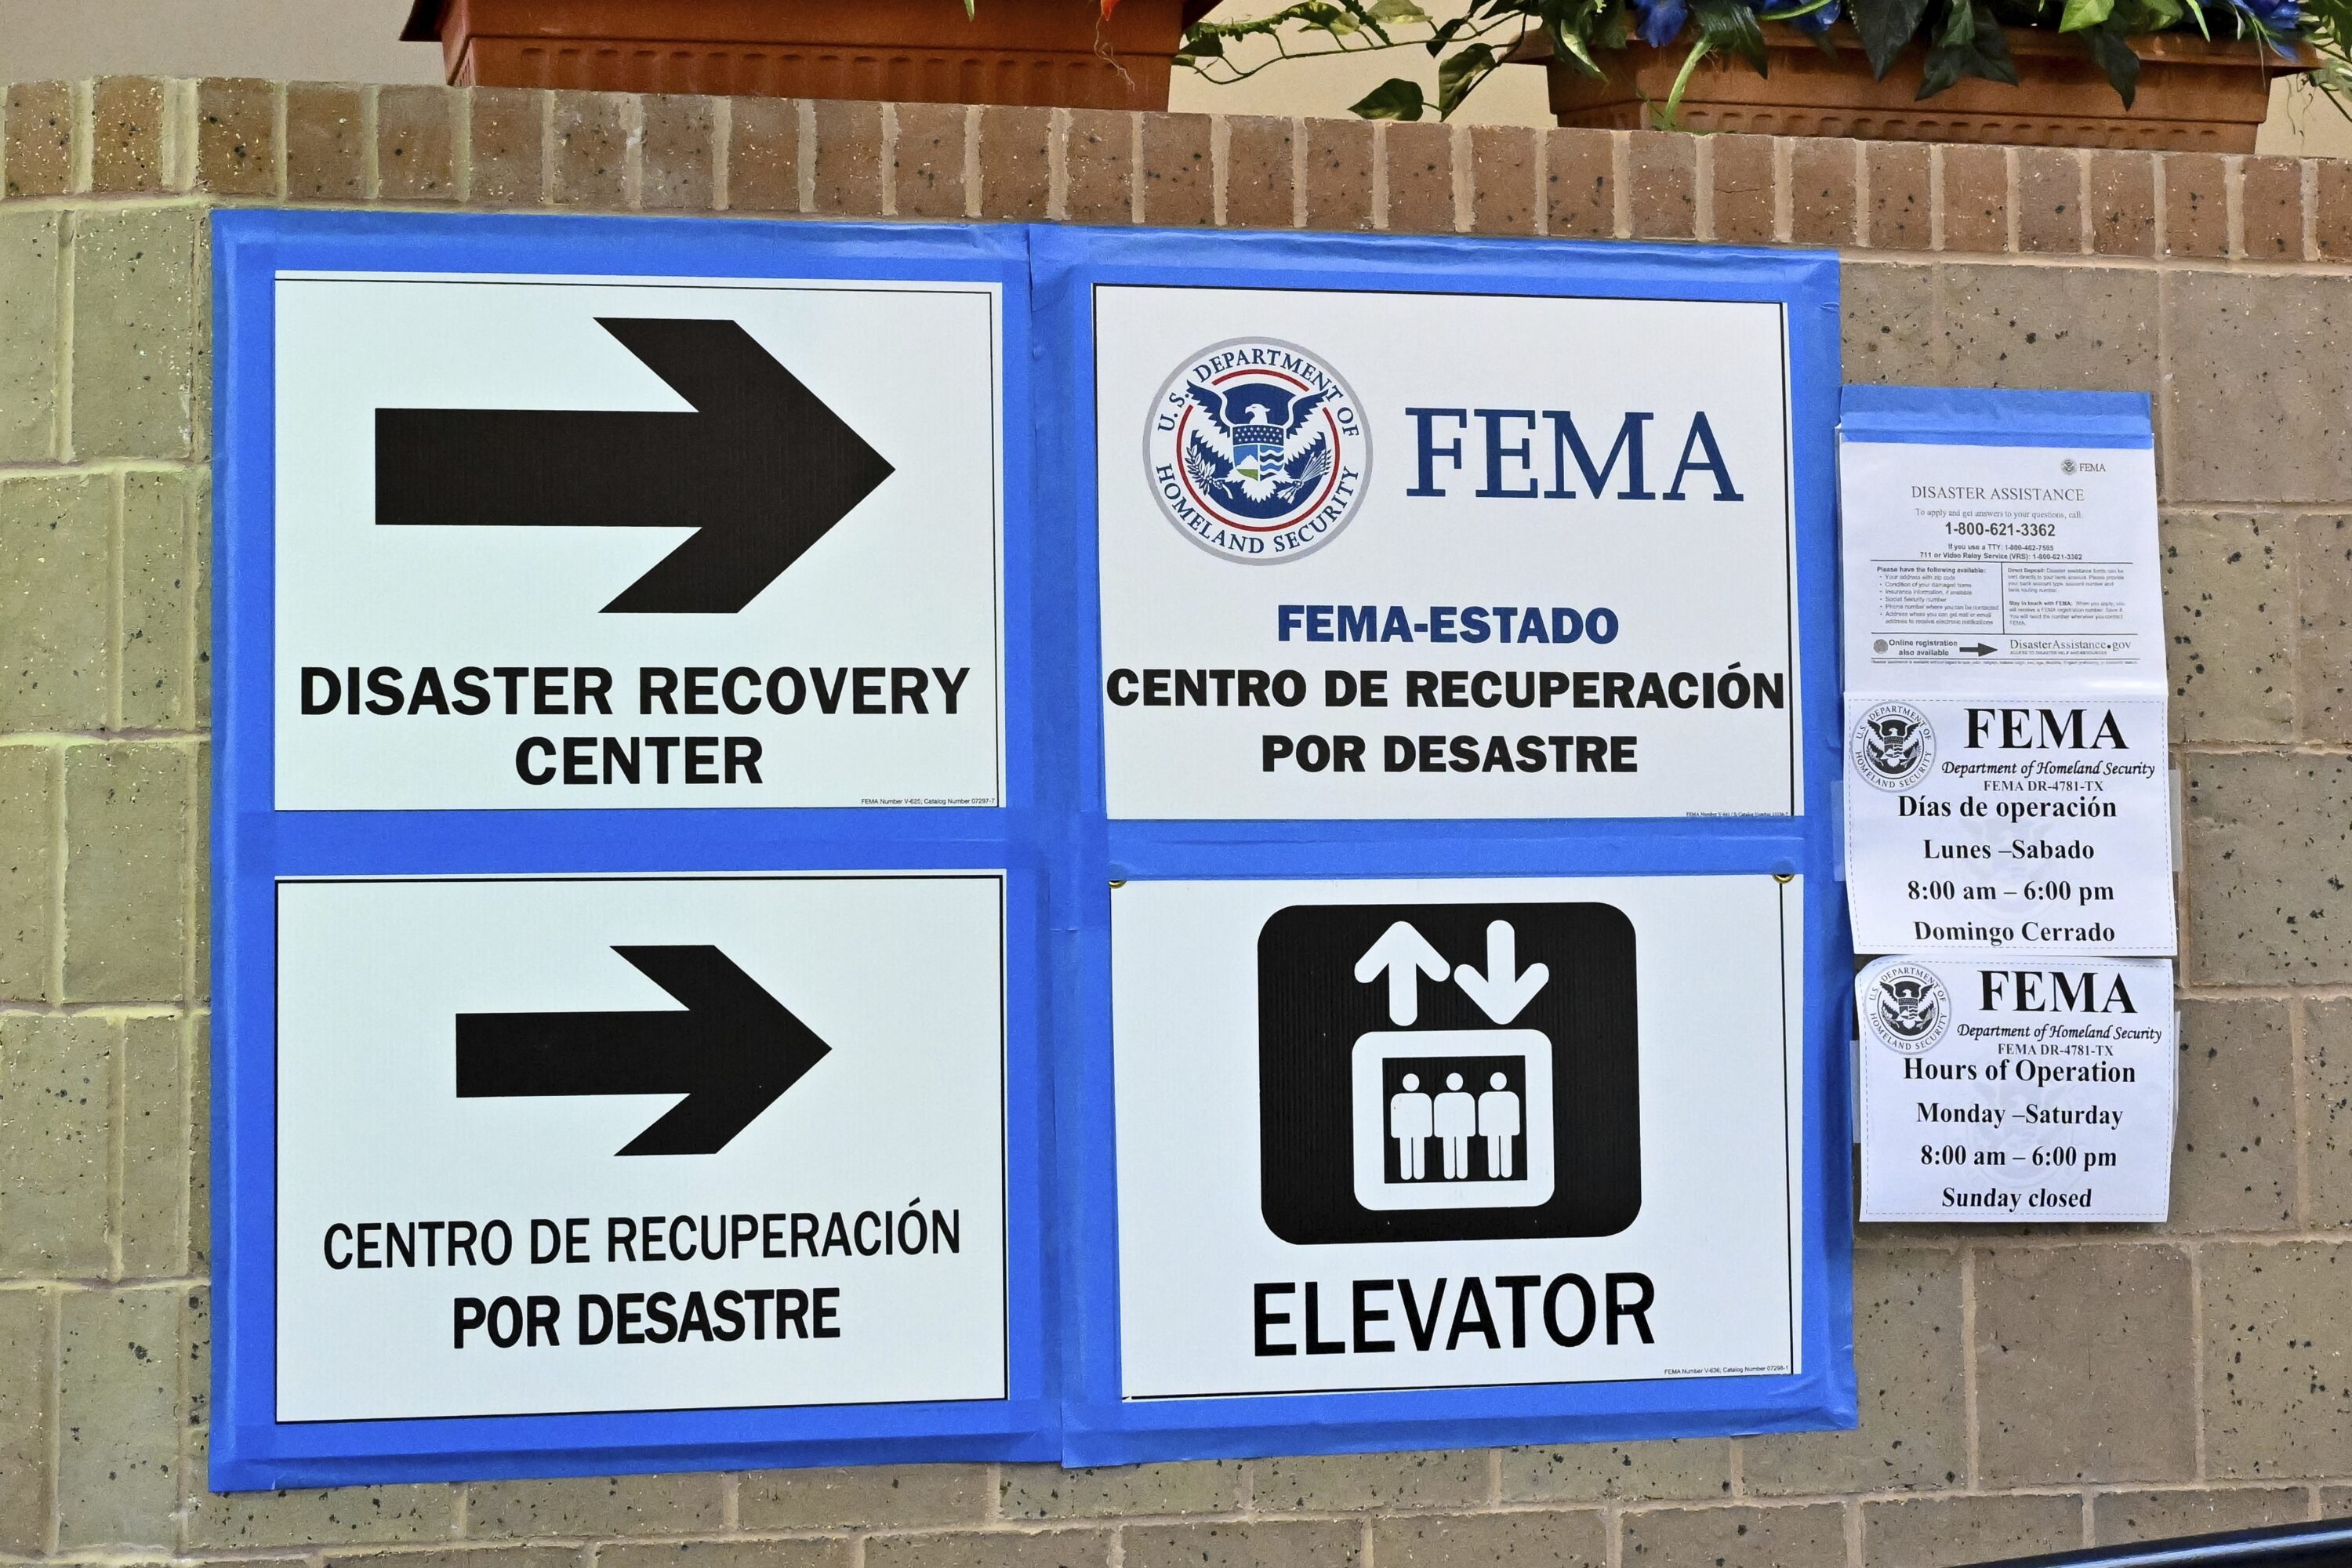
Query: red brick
[[1580, 183], [1976, 198], [1503, 193], [2050, 200], [2196, 205], [1258, 186], [506, 145], [417, 144], [236, 136], [1822, 190], [1902, 204], [680, 153], [326, 153], [588, 163], [40, 138], [1339, 174], [1100, 161], [2332, 208], [763, 156], [927, 162], [1421, 178], [126, 135], [1661, 183], [1745, 209], [2123, 203], [1016, 165], [849, 159], [1180, 186], [2270, 199]]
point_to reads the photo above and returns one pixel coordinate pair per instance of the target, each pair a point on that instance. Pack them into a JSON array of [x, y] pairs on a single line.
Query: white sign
[[2034, 824], [1425, 1134], [569, 542], [559, 1144], [2007, 1088], [2028, 569], [1354, 564]]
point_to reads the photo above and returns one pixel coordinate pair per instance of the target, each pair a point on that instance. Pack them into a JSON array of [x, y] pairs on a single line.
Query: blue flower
[[2283, 16], [1659, 21]]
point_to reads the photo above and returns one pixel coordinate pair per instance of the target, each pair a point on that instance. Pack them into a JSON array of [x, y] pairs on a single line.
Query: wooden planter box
[[2193, 95], [911, 51]]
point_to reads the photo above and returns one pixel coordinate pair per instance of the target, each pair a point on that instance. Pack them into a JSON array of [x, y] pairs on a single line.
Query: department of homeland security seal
[[1907, 1007], [1257, 450], [1893, 746]]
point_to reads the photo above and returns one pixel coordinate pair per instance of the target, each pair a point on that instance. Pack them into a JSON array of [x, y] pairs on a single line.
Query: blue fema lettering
[[1508, 468]]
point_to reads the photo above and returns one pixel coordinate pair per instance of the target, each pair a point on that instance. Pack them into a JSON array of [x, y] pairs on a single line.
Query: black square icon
[[1445, 1072]]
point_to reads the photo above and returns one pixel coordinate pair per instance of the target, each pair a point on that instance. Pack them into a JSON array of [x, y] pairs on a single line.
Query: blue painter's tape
[[1990, 416]]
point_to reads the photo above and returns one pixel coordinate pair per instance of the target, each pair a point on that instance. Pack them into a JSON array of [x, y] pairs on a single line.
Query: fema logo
[[1257, 450], [2066, 465], [1907, 1007], [1893, 747]]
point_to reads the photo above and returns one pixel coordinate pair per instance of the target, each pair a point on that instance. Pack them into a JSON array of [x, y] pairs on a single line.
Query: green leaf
[[1885, 26], [1463, 70], [2081, 13], [1959, 25], [1566, 46], [2114, 53], [1399, 11], [1445, 35], [1970, 44], [1395, 99], [1730, 25], [1210, 48]]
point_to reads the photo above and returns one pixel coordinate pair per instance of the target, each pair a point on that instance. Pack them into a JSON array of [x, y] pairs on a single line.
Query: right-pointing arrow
[[1406, 955]]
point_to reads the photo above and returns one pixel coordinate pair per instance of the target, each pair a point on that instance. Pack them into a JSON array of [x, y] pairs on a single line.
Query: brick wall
[[2021, 1389]]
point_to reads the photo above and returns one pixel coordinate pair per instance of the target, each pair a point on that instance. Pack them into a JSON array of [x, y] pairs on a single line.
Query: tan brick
[[832, 1552], [2086, 328], [1943, 1532], [2335, 1502], [2270, 199], [327, 1518], [1421, 178], [2323, 652], [127, 810], [2233, 1142], [138, 304], [326, 142], [1049, 1491], [1901, 212], [507, 146], [871, 1496], [151, 1222], [2278, 1399], [1098, 165], [127, 151], [716, 1554], [41, 124], [2327, 1089], [680, 153], [1258, 186], [2261, 386], [596, 1505], [2196, 205], [53, 602], [927, 169], [2120, 1517], [2331, 215], [2228, 613], [1825, 206], [117, 1428], [27, 1355], [1908, 1362], [1180, 187], [200, 1209], [1339, 154], [196, 1378], [31, 245], [1672, 1470], [1976, 198], [1580, 185], [1017, 172], [236, 136], [1662, 184], [57, 1098], [2050, 200], [1492, 1540], [2123, 203], [1890, 322], [2270, 858], [992, 1549], [1742, 178], [1259, 1543], [200, 951], [847, 158], [28, 832], [1503, 194], [2110, 1399], [154, 654], [416, 143], [1335, 1482], [588, 149], [763, 156], [1803, 1536]]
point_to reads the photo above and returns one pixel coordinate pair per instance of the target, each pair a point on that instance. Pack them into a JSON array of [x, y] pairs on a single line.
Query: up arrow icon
[[1504, 988], [1406, 955]]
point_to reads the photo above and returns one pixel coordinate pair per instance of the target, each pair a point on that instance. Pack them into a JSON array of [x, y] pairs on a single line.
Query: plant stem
[[1668, 118]]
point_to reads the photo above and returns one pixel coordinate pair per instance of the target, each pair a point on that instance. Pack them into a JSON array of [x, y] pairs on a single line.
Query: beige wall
[[2021, 1389], [358, 40]]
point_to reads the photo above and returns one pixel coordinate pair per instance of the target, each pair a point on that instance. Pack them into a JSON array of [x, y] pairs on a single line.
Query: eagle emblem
[[1909, 1008], [1894, 745], [1257, 450]]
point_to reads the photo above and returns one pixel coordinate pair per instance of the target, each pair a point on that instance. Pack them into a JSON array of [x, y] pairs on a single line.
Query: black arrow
[[733, 1051], [760, 469], [1980, 650]]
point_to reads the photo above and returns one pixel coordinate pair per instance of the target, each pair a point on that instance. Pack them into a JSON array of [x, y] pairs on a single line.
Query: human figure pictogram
[[1456, 1116], [1498, 1123], [1409, 1121]]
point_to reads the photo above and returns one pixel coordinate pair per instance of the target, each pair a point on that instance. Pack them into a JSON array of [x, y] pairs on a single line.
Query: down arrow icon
[[761, 470], [731, 1053]]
